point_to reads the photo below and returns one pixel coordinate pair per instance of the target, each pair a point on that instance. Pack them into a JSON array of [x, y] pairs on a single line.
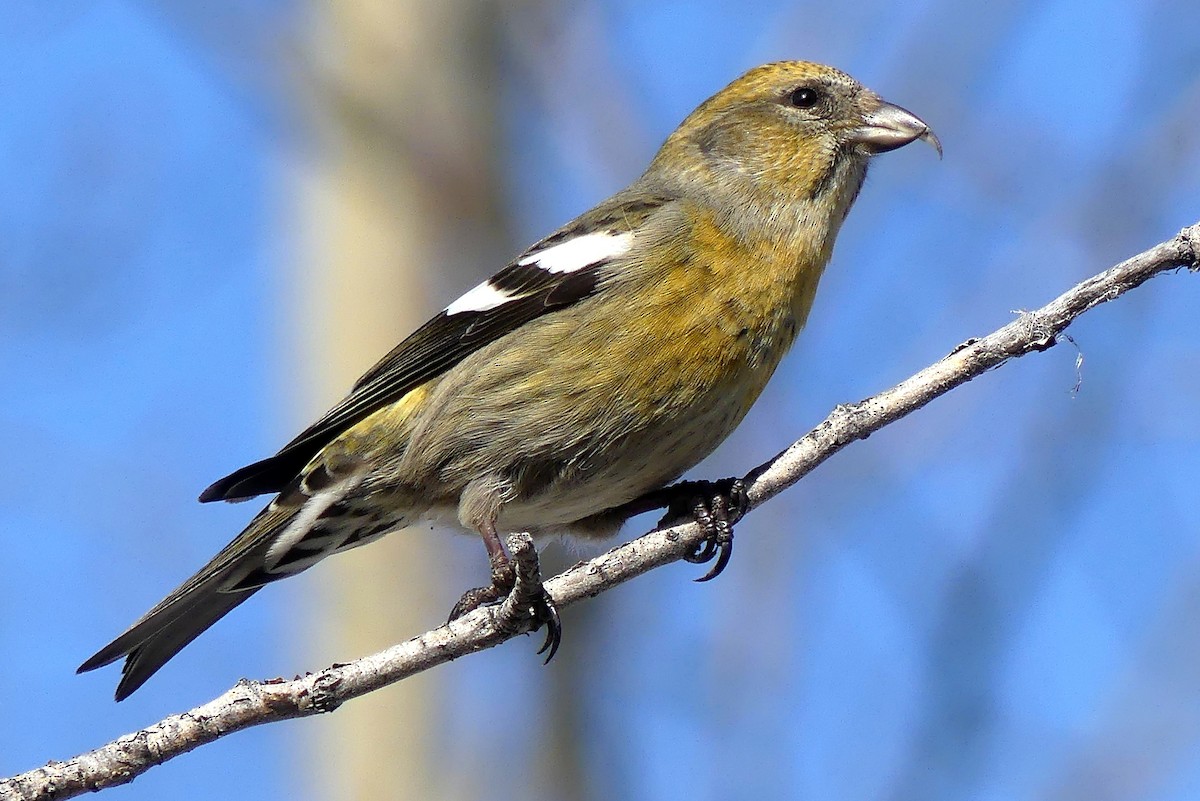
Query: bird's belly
[[621, 469]]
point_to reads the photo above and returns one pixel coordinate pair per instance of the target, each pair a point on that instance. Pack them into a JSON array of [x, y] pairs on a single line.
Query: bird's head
[[791, 132]]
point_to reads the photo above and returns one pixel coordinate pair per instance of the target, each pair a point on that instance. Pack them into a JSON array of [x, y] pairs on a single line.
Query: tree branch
[[252, 703]]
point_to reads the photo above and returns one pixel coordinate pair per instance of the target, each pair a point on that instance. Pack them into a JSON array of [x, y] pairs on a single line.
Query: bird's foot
[[501, 586], [529, 599], [715, 506], [517, 586]]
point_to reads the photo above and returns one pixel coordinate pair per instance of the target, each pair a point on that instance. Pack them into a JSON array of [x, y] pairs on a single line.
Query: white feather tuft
[[481, 298], [579, 252]]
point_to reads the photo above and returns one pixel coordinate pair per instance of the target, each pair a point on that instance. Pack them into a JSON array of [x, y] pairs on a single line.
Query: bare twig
[[251, 703]]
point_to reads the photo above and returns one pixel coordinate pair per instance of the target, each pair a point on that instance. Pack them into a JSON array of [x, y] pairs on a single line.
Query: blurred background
[[214, 216]]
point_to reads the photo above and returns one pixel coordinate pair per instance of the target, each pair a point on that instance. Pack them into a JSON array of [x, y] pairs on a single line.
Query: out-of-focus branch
[[252, 703]]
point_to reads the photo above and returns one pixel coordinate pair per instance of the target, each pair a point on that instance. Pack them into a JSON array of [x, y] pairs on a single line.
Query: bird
[[587, 375]]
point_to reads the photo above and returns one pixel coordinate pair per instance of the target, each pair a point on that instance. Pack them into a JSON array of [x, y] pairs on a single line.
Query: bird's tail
[[233, 575]]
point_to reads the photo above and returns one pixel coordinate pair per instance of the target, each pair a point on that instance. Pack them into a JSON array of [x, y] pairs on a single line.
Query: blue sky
[[993, 599]]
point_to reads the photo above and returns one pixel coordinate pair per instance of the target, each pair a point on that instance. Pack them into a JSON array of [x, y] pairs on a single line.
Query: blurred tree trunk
[[398, 96]]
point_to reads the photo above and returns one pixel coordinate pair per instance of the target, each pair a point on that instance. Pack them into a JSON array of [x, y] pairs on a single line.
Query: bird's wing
[[557, 272]]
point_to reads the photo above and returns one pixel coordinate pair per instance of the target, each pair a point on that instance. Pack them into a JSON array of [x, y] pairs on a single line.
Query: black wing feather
[[431, 350]]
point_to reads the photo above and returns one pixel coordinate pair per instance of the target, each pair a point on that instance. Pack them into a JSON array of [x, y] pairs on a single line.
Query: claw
[[724, 553], [550, 619], [472, 599], [715, 506], [705, 550], [720, 538]]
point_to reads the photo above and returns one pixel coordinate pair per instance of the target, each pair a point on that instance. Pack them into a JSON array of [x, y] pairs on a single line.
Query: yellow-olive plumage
[[598, 366]]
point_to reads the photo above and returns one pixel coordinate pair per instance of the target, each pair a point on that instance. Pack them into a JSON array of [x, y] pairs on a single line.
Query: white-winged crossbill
[[596, 367]]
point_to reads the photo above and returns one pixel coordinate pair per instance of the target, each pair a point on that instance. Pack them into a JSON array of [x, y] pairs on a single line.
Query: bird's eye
[[804, 97]]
